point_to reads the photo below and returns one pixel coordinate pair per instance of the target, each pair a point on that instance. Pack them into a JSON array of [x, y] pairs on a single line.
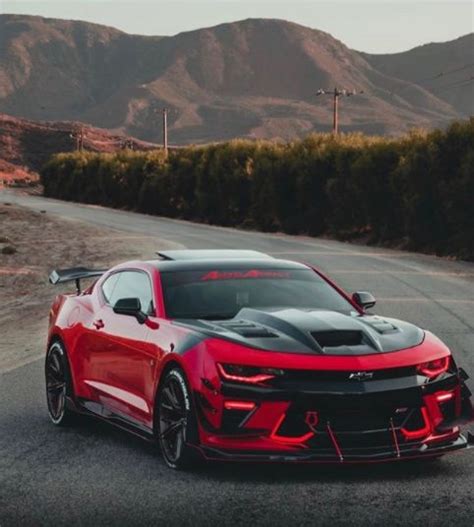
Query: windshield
[[222, 294]]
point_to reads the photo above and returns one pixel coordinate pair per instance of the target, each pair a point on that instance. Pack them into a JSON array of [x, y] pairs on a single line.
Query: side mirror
[[364, 299], [131, 307]]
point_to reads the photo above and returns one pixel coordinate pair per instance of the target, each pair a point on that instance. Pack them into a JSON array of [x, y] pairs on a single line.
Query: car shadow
[[279, 473]]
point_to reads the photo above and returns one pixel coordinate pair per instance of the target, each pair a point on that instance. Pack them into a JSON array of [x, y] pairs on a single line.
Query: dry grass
[[44, 243]]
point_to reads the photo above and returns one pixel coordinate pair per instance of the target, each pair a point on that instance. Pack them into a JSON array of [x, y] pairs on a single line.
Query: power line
[[457, 84], [443, 74], [427, 80]]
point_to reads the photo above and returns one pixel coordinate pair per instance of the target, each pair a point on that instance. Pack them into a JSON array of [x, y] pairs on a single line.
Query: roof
[[202, 260]]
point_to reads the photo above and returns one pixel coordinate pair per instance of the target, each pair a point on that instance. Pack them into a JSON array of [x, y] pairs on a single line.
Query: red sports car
[[235, 355]]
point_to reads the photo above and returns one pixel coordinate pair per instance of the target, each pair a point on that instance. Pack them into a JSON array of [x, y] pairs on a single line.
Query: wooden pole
[[165, 130]]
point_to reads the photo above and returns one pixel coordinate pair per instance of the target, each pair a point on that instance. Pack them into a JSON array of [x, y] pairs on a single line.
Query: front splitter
[[348, 457]]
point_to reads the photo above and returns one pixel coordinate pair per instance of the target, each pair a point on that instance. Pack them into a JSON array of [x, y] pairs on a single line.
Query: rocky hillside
[[255, 78], [445, 69], [26, 145]]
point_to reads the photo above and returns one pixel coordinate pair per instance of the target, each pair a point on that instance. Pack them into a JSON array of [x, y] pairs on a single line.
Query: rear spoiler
[[75, 274]]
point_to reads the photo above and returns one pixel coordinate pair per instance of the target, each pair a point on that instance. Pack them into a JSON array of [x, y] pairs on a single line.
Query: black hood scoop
[[312, 332], [338, 338]]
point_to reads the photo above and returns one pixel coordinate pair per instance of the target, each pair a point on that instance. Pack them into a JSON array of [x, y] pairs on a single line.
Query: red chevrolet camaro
[[235, 355]]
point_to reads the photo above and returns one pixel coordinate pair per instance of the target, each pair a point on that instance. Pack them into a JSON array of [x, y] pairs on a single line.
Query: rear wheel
[[176, 422], [58, 386]]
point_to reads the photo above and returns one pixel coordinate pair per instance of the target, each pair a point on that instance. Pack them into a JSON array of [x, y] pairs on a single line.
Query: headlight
[[247, 374], [433, 368]]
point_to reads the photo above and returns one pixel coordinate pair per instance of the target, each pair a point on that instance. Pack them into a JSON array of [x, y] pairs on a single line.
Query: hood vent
[[381, 325], [338, 338], [248, 329]]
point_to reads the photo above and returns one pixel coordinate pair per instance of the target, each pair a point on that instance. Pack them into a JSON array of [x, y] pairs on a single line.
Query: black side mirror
[[364, 299], [131, 307]]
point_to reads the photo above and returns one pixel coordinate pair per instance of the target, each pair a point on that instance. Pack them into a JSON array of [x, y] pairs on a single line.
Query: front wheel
[[58, 385], [176, 422]]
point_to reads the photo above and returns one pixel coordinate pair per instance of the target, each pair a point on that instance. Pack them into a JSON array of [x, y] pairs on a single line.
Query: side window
[[134, 284], [108, 287]]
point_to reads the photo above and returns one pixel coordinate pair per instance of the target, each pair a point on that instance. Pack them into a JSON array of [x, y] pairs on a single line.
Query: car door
[[122, 359]]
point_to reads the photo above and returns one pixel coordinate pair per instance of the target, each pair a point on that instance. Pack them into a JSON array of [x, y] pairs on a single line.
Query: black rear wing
[[75, 274]]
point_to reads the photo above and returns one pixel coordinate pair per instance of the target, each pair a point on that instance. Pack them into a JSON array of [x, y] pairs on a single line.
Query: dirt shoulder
[[31, 245]]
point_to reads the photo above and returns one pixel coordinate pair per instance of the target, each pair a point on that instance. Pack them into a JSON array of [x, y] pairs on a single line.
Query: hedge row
[[417, 190]]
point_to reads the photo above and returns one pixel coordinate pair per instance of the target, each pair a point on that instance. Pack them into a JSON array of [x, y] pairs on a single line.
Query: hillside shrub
[[416, 191]]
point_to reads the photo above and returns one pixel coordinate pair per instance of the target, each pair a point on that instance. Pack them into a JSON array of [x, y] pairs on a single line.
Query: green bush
[[417, 190]]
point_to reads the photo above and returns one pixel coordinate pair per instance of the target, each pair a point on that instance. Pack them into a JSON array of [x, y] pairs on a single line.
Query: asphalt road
[[96, 475]]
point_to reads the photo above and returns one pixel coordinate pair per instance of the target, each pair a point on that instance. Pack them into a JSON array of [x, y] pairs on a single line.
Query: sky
[[376, 26]]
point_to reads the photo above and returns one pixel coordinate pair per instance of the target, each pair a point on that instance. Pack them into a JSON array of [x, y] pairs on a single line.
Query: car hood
[[312, 331]]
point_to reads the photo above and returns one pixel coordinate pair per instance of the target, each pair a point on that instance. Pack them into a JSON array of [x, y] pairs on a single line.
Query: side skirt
[[118, 419]]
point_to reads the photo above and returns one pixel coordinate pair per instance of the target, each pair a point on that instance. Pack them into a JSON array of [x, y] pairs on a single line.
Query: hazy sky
[[377, 26]]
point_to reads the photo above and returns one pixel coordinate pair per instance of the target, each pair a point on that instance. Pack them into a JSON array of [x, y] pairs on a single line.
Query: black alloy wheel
[[175, 421], [58, 385]]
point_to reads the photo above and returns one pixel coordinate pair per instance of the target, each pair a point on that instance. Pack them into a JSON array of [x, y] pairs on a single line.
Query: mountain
[[26, 145], [445, 69], [255, 78]]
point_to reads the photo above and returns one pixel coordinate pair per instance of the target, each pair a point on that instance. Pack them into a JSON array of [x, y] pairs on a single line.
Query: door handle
[[98, 324]]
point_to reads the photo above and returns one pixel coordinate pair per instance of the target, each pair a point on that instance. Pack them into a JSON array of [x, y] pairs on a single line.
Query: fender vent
[[335, 339]]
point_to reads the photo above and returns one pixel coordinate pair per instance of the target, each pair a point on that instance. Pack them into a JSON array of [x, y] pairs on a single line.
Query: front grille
[[308, 376], [333, 382], [345, 421], [356, 422]]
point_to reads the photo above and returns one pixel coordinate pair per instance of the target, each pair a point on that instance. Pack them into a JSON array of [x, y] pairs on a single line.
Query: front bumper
[[414, 451], [329, 422]]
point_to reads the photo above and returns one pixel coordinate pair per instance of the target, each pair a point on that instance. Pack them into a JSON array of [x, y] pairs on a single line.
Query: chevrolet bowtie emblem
[[361, 376]]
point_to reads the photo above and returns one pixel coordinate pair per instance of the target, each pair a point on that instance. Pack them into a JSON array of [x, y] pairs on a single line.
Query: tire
[[175, 424], [59, 387]]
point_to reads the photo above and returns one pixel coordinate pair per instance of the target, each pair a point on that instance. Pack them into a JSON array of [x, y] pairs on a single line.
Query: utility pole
[[127, 144], [336, 93], [165, 112], [165, 130], [78, 135], [81, 138]]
